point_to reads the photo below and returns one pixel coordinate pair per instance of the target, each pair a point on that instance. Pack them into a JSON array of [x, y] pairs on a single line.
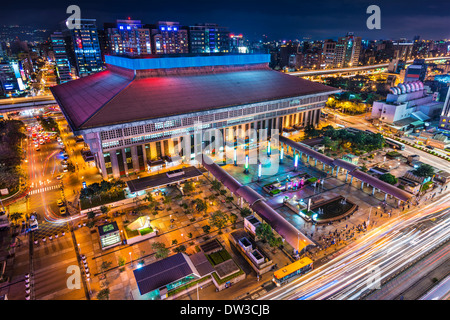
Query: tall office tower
[[169, 37], [208, 38], [129, 37], [83, 47], [348, 49], [444, 121], [329, 53], [60, 55]]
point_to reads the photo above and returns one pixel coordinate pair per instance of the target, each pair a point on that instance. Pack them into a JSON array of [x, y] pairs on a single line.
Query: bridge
[[16, 104], [351, 69]]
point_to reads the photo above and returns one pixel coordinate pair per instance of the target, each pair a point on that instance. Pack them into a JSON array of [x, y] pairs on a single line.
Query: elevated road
[[369, 263], [352, 69], [14, 104]]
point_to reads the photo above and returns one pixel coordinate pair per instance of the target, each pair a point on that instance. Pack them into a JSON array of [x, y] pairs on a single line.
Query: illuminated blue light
[[175, 29], [184, 62], [121, 27]]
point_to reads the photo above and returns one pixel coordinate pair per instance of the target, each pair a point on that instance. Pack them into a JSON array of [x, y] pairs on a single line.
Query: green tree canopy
[[160, 249], [389, 178], [218, 219], [424, 171]]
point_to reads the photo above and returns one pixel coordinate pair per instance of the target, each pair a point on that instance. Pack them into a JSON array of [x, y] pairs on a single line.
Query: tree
[[424, 171], [233, 218], [104, 209], [188, 187], [179, 249], [218, 219], [206, 228], [167, 200], [160, 249], [275, 241], [103, 294], [90, 215], [389, 178], [245, 212], [216, 185], [264, 231], [201, 205], [105, 266], [121, 261]]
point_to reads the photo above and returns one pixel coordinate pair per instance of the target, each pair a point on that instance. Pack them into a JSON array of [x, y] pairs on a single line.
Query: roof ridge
[[112, 98]]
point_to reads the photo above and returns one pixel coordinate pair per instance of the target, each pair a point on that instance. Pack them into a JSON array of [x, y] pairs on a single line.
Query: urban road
[[393, 253]]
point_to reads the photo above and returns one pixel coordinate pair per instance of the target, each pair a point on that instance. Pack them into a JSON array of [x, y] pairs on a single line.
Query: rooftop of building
[[147, 88]]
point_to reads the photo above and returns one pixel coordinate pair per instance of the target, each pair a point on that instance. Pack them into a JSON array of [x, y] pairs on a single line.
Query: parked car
[[60, 202], [430, 147], [62, 210]]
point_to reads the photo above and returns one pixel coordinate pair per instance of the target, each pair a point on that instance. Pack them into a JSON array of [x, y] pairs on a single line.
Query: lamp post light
[[259, 170], [268, 149], [235, 157], [131, 259], [296, 162], [281, 154], [246, 164]]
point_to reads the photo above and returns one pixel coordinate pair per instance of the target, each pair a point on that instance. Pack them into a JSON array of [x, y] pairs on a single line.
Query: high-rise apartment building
[[348, 49], [169, 37], [208, 38], [328, 53], [129, 37], [83, 47], [60, 56]]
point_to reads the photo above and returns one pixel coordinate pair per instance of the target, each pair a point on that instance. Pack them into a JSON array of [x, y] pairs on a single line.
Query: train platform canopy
[[127, 92]]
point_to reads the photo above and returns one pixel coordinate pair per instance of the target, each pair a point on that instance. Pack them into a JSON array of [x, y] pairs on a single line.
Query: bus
[[291, 271], [394, 144]]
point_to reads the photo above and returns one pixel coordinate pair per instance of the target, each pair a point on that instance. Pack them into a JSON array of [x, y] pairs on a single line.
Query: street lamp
[[296, 162], [259, 170], [246, 164], [281, 154], [131, 260]]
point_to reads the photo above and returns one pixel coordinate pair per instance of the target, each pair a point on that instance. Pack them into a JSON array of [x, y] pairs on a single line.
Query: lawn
[[218, 257], [145, 231]]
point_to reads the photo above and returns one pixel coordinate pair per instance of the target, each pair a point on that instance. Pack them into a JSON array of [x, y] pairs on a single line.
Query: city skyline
[[293, 20]]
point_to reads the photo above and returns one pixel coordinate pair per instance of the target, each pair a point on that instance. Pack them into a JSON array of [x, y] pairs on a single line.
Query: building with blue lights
[[169, 37], [83, 47], [209, 38], [61, 58], [129, 37], [135, 114]]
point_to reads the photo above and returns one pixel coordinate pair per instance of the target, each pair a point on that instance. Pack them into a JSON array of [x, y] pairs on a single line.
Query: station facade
[[135, 115]]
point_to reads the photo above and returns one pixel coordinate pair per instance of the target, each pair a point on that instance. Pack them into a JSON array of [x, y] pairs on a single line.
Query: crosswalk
[[43, 189]]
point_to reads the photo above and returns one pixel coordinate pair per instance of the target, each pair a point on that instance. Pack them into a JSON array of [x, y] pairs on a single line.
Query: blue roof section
[[162, 272], [185, 62]]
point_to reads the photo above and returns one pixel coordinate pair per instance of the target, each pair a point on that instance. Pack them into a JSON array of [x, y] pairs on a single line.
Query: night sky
[[277, 19]]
